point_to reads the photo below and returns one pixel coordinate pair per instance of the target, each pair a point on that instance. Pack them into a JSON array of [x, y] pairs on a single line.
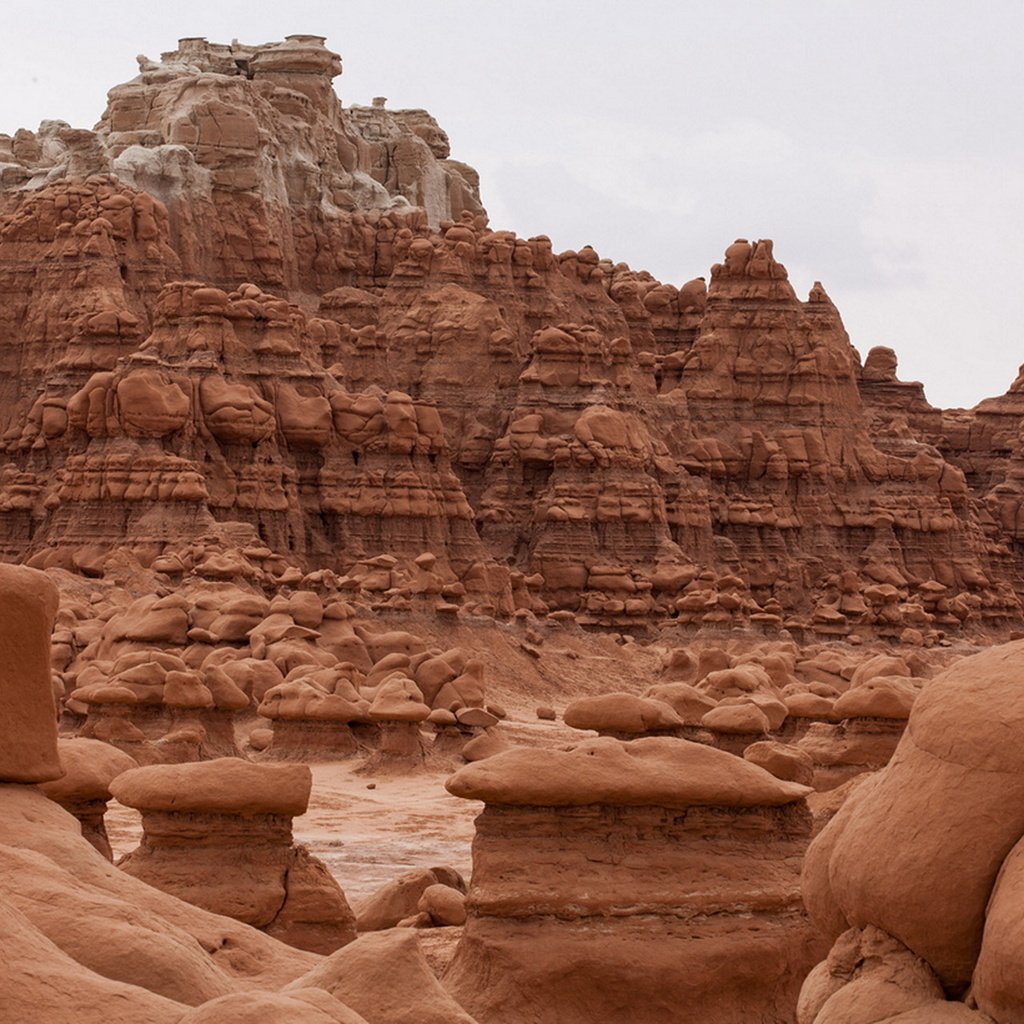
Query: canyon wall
[[237, 313]]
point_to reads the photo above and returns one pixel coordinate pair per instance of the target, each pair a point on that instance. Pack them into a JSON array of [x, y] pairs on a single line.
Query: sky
[[880, 143]]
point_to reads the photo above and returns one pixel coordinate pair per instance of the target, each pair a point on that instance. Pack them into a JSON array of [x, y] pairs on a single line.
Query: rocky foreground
[[305, 464]]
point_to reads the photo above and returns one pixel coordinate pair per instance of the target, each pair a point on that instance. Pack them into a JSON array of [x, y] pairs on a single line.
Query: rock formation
[[386, 977], [622, 715], [78, 933], [147, 696], [914, 878], [178, 673], [219, 835], [870, 718], [250, 306], [593, 860]]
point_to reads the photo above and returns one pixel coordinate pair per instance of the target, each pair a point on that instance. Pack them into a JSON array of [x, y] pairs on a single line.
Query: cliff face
[[238, 302]]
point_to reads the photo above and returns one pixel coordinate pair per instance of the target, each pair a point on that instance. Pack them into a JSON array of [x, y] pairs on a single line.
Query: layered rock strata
[[219, 835], [595, 858], [79, 936]]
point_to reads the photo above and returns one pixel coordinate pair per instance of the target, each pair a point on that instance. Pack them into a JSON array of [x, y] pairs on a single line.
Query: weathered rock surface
[[872, 716], [619, 881], [218, 834], [922, 859], [84, 941], [177, 675]]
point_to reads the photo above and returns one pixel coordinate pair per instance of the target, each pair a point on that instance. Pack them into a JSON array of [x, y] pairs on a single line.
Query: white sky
[[879, 142]]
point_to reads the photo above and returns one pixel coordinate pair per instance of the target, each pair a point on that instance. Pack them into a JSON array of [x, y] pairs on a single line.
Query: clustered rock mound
[[219, 834], [86, 942], [917, 879], [771, 700], [215, 669], [248, 331]]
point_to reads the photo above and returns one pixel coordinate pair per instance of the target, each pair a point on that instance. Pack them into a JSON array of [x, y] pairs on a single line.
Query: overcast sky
[[879, 142]]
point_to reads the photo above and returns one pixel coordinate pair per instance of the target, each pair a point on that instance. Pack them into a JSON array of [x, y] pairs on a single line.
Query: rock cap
[[227, 785], [89, 768], [621, 712], [659, 771]]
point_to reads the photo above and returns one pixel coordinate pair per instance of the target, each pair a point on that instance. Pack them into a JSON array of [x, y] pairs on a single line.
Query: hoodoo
[[615, 879]]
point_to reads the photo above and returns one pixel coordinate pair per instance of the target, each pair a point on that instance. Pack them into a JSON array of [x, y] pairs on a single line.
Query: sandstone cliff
[[240, 314]]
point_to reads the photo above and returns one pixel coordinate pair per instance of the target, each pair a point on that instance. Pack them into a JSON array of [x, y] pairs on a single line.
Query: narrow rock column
[[399, 712]]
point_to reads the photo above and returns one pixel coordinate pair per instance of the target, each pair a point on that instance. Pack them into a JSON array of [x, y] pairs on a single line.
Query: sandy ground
[[408, 820], [368, 836]]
